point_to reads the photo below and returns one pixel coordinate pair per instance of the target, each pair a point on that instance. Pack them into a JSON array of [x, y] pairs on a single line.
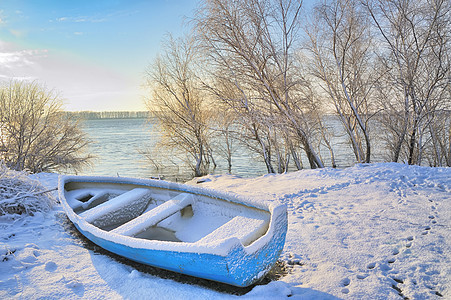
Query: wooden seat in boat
[[155, 215], [245, 229], [135, 199]]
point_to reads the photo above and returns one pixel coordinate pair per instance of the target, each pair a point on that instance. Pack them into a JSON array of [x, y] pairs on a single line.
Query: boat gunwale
[[221, 248]]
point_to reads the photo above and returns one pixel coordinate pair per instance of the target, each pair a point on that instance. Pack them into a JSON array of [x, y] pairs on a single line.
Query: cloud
[[99, 18], [84, 85], [14, 59], [19, 64], [81, 19]]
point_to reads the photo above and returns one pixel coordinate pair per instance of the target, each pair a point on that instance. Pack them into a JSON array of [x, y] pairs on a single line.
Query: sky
[[93, 53]]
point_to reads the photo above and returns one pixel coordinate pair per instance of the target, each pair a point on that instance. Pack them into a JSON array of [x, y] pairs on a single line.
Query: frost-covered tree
[[35, 132], [414, 51], [180, 105], [252, 43], [248, 115], [340, 47]]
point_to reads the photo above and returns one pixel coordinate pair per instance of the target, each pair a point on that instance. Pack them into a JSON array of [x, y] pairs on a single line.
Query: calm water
[[117, 144]]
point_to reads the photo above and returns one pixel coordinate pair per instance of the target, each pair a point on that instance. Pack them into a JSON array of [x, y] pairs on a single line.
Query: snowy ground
[[379, 231]]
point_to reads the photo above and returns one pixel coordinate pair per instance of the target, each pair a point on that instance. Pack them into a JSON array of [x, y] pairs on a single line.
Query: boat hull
[[237, 265]]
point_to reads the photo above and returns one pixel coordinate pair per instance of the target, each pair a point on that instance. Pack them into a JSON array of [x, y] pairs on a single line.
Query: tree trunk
[[412, 143], [296, 159]]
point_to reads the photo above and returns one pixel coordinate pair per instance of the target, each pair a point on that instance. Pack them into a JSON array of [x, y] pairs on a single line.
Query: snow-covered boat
[[187, 229]]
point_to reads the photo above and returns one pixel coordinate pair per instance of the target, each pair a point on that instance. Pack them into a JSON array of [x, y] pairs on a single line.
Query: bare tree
[[180, 105], [253, 43], [416, 34], [35, 133], [340, 46], [226, 135], [439, 149], [247, 113]]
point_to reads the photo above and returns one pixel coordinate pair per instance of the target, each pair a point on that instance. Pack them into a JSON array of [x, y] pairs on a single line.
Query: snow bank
[[379, 231]]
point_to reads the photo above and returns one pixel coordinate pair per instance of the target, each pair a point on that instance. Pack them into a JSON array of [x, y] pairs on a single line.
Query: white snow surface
[[377, 231]]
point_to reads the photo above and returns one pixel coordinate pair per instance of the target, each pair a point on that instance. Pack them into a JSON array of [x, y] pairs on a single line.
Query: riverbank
[[379, 231]]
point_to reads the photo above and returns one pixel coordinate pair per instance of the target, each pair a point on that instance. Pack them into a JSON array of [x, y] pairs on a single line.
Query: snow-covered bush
[[35, 133], [20, 195]]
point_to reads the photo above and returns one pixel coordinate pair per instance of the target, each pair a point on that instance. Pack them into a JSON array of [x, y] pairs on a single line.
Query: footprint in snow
[[345, 281], [409, 241], [385, 267], [398, 280], [76, 286], [51, 266], [28, 257], [396, 251], [371, 266], [345, 291], [427, 228]]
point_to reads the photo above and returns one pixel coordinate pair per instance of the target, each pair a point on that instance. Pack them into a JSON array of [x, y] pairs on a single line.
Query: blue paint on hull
[[238, 268], [238, 265]]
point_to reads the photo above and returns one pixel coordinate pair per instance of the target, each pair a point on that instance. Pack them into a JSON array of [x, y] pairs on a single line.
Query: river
[[118, 145]]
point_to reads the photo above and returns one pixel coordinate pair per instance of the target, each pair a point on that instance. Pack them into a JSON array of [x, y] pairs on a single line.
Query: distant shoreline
[[94, 115]]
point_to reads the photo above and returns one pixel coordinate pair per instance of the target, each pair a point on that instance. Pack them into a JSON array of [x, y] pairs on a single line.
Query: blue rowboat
[[182, 228]]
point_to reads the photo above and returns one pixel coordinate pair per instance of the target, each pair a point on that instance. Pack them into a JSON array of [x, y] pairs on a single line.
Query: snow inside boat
[[186, 229]]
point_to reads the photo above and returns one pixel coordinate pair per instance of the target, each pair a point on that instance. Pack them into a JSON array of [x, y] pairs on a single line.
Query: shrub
[[21, 195], [35, 133]]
